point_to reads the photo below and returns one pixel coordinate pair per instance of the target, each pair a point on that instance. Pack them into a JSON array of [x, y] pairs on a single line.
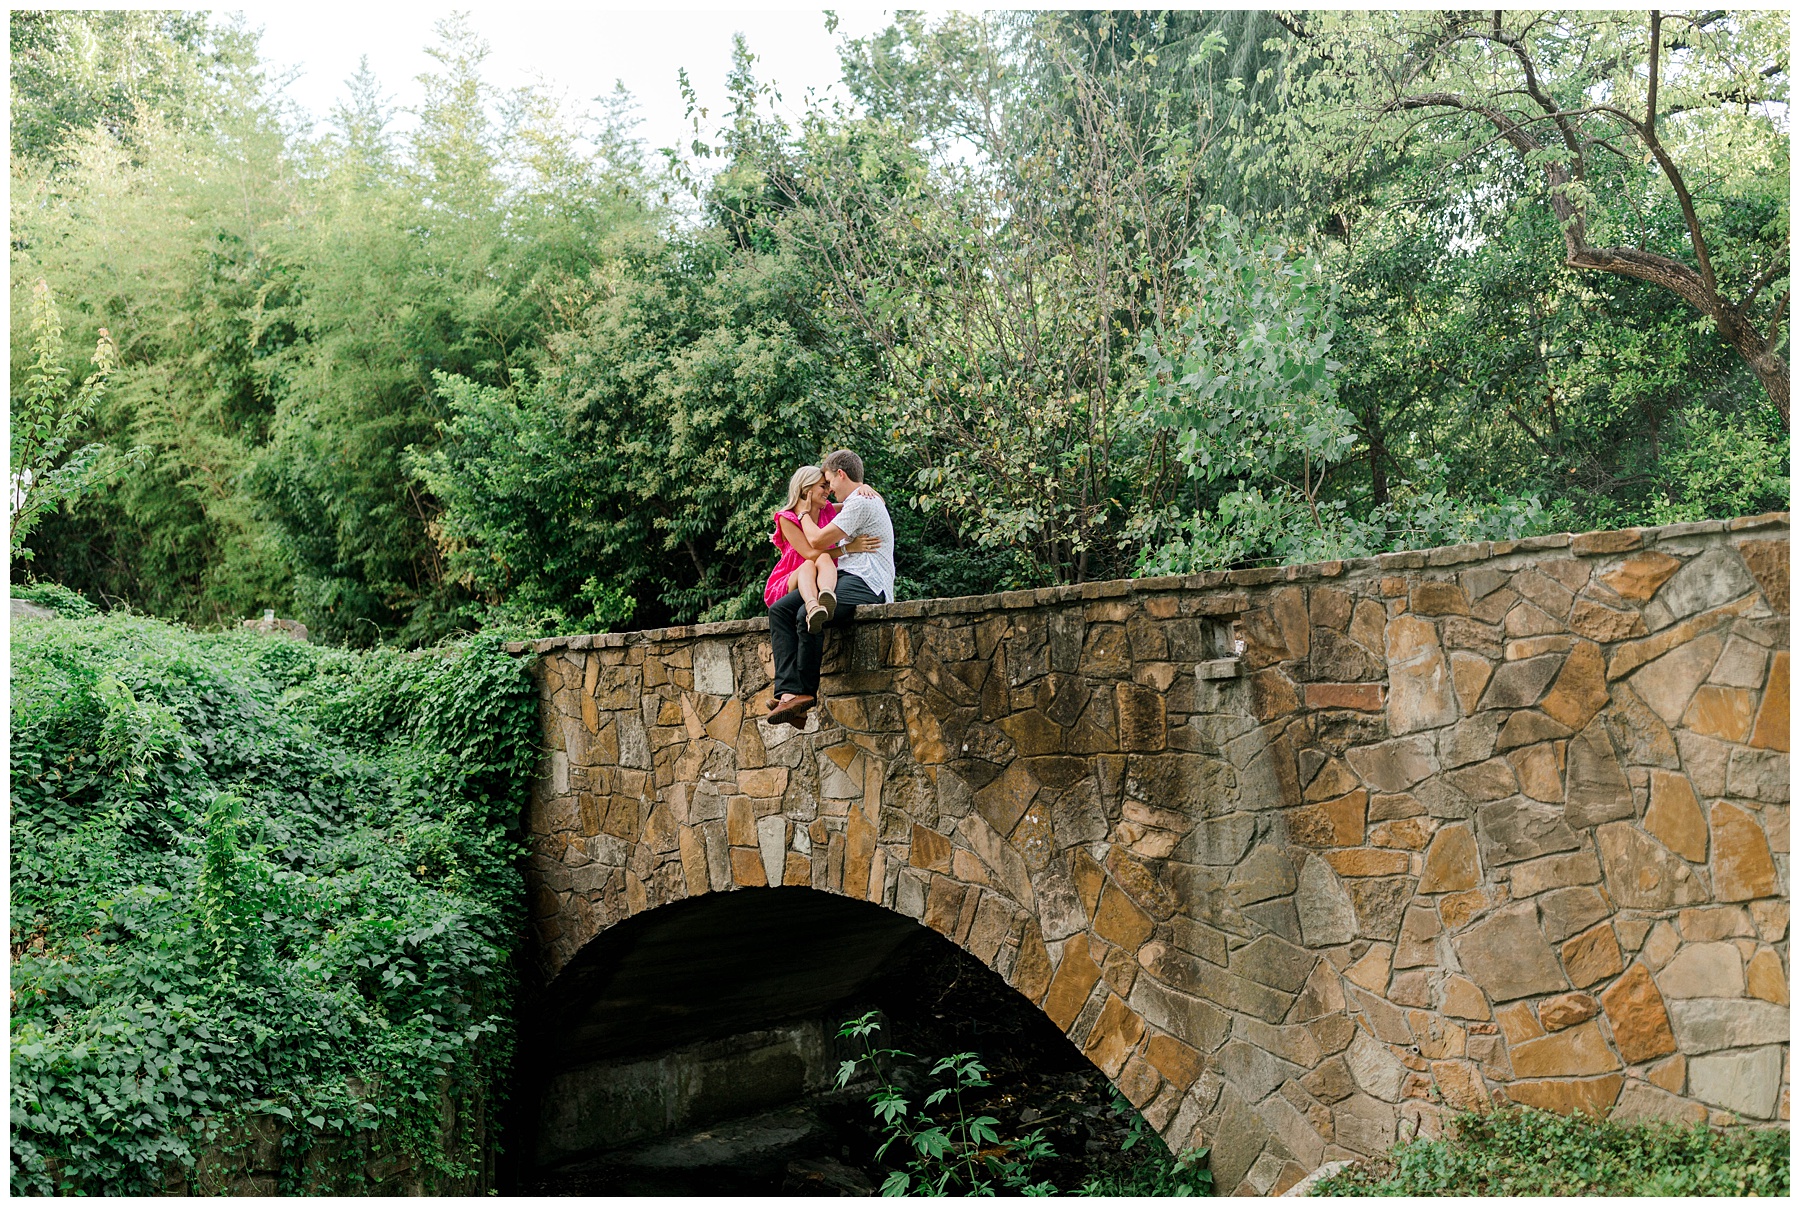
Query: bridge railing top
[[1605, 541]]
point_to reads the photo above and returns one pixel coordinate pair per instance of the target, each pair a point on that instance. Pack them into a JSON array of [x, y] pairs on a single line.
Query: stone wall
[[1301, 858]]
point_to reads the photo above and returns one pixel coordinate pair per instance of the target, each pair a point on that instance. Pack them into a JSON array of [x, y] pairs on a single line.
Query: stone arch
[[662, 791]]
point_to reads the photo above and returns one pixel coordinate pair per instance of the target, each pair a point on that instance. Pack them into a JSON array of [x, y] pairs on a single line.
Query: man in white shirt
[[863, 578]]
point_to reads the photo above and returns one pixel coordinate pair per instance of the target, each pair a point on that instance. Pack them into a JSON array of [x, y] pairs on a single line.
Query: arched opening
[[691, 1049]]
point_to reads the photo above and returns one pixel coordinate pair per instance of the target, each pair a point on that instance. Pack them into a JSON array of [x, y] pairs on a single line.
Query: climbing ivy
[[258, 880]]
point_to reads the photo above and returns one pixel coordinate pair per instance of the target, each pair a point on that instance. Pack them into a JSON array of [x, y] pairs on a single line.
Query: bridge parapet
[[1301, 858]]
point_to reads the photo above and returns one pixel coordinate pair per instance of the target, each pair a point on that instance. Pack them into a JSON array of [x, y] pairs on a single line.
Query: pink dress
[[790, 556]]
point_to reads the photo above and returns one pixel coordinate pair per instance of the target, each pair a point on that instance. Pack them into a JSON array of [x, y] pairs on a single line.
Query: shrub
[[1524, 1151], [253, 878]]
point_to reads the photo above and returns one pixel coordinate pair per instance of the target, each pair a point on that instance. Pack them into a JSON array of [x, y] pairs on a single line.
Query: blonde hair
[[803, 479]]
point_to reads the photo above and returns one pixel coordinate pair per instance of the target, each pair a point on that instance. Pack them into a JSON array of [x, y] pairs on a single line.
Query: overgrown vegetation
[[926, 1109], [1524, 1151], [513, 367], [253, 878]]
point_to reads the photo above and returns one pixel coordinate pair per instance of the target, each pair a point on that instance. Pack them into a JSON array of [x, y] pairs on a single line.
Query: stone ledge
[[1587, 544]]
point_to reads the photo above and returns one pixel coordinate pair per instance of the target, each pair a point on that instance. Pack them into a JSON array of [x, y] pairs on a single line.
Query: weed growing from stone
[[1525, 1151]]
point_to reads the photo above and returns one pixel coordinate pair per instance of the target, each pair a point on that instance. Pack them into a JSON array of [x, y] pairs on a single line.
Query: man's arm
[[847, 524]]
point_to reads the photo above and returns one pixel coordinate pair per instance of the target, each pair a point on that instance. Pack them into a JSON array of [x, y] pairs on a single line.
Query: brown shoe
[[816, 616], [791, 710]]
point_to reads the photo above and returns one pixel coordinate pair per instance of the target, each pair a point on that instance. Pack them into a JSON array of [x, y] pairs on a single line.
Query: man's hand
[[867, 492], [863, 544]]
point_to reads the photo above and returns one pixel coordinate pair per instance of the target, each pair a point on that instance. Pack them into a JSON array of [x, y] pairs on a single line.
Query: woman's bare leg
[[808, 581], [827, 572]]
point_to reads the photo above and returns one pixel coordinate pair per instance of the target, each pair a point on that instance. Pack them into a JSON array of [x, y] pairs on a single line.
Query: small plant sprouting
[[951, 1153]]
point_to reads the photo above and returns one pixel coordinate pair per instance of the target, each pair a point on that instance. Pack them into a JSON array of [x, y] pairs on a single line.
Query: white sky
[[582, 48]]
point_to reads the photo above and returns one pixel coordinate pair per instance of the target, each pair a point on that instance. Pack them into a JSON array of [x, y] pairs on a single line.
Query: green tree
[[1617, 118], [45, 472]]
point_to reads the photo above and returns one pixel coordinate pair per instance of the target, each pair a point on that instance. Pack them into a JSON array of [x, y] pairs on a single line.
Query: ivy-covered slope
[[254, 879]]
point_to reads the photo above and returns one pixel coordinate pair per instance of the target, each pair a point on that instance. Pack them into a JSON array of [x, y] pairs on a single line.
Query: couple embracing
[[833, 557]]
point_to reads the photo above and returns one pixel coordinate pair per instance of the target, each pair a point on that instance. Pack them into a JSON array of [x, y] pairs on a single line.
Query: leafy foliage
[[951, 1152], [1093, 293], [256, 879], [947, 1151], [45, 472], [1524, 1151]]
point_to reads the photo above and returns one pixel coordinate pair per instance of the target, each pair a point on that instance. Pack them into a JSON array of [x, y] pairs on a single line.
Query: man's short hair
[[845, 460]]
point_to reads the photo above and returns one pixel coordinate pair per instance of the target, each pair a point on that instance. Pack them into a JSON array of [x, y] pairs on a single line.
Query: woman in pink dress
[[804, 566]]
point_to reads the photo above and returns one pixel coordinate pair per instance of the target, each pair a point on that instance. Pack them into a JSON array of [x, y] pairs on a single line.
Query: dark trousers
[[797, 650]]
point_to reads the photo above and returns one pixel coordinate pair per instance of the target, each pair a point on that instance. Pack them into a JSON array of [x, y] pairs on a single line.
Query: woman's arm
[[803, 540]]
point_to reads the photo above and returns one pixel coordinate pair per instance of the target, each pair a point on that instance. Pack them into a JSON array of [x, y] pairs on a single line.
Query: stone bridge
[[1301, 858]]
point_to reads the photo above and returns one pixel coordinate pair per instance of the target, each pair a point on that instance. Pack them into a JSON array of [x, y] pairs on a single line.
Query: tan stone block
[[1439, 599], [747, 868], [1527, 726], [1458, 908], [1592, 1096], [1114, 1036], [763, 781], [1419, 691], [1462, 999], [1517, 1023], [929, 849], [943, 907], [1139, 1082], [859, 851], [1662, 945], [796, 870], [1771, 730], [1332, 780], [1367, 861], [1639, 1020], [1716, 922], [1670, 1074], [1143, 719], [1005, 800], [1768, 564], [1075, 978], [1451, 863], [1089, 877], [1553, 872], [1540, 769], [1118, 919], [1178, 1062], [1597, 622], [1332, 823], [1565, 1010], [1031, 971], [1530, 647], [740, 822], [1638, 576], [1460, 1084], [1579, 691], [964, 866], [1436, 1038], [1771, 919], [1388, 806], [1765, 978], [1742, 866], [1361, 697], [693, 861], [1641, 873], [1368, 626], [1371, 971], [1674, 816], [1405, 834], [1592, 957], [1702, 970], [1469, 674], [1579, 1051], [1720, 712]]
